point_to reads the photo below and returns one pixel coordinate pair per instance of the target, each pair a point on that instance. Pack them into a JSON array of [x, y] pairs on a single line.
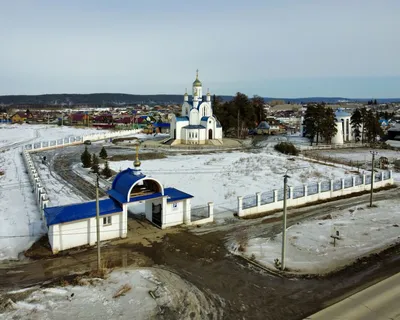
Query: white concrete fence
[[272, 200], [73, 140], [41, 196], [202, 215]]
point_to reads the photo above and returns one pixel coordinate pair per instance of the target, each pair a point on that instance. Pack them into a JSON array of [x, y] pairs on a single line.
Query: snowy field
[[222, 177], [21, 224], [173, 298], [361, 155], [310, 249]]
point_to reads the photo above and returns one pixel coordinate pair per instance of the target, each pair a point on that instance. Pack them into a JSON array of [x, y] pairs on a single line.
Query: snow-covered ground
[[21, 224], [173, 298], [362, 155], [222, 177], [310, 249]]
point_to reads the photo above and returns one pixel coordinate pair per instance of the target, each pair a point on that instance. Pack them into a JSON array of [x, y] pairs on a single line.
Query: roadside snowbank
[[153, 294], [310, 249]]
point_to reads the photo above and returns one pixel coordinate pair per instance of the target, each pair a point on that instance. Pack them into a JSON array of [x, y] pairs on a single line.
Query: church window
[[195, 135]]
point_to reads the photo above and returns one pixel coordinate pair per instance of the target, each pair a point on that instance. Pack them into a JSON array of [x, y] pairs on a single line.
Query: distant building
[[197, 123]]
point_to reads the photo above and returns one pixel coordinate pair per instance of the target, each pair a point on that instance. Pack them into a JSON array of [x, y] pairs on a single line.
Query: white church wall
[[218, 133], [194, 117]]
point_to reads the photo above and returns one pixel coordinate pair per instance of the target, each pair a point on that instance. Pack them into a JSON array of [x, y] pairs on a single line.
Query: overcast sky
[[274, 48]]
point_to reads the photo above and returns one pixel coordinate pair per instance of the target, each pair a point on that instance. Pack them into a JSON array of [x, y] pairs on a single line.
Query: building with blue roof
[[75, 225], [197, 123]]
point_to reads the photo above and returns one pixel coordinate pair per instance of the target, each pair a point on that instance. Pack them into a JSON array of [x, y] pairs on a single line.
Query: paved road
[[380, 301]]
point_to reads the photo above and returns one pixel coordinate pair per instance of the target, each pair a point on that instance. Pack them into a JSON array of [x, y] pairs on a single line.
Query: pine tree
[[106, 172], [356, 123], [328, 124], [310, 128], [95, 163], [103, 153], [86, 158]]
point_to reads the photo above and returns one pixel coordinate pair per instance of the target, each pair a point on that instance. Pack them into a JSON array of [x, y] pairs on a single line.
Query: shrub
[[287, 148]]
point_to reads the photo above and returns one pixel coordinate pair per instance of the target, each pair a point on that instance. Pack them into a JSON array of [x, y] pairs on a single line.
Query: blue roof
[[194, 127], [161, 125], [123, 182], [182, 118], [61, 214], [341, 114], [204, 118], [176, 195]]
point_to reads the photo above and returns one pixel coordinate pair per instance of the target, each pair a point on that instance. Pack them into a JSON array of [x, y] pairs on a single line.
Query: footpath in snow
[[310, 249]]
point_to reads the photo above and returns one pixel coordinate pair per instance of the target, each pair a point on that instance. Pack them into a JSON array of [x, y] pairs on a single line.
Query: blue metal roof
[[123, 182], [341, 114], [204, 118], [61, 214], [176, 195], [194, 127], [161, 125], [182, 118]]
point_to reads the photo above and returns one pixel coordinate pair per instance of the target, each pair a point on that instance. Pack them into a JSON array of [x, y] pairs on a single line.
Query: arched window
[[195, 135]]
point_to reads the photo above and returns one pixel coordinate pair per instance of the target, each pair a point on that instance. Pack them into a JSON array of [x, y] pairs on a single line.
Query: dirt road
[[240, 289]]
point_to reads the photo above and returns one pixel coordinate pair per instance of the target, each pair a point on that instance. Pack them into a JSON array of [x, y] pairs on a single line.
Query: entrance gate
[[156, 214]]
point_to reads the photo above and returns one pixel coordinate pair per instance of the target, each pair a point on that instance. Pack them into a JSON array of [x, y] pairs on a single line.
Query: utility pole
[[372, 176], [62, 119], [285, 177], [98, 223]]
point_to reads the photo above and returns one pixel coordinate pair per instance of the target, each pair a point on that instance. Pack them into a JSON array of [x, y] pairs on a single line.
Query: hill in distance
[[116, 99]]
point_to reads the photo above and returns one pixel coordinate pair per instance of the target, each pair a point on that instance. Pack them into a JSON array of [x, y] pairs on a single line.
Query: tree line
[[320, 124], [239, 114]]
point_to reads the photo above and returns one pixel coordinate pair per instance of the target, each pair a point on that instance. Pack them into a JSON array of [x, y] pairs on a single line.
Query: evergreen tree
[[106, 172], [258, 105], [328, 124], [86, 158], [103, 153], [309, 125], [363, 112], [373, 129], [95, 163], [356, 123]]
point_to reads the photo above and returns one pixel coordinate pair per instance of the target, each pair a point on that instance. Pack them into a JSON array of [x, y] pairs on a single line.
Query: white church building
[[197, 123]]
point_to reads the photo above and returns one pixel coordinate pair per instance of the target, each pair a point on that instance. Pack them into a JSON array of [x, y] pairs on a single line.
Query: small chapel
[[197, 123]]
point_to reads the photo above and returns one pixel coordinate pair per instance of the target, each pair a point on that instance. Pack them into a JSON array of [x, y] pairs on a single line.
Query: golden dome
[[197, 82]]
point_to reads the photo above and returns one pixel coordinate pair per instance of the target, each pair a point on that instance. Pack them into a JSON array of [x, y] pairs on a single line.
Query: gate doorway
[[174, 134], [156, 214], [210, 135]]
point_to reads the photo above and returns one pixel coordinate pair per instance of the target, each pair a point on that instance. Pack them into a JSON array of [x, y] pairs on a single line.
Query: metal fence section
[[280, 194], [249, 201], [312, 189], [378, 176], [348, 182], [298, 192], [358, 180], [325, 186], [267, 197], [198, 213], [337, 185], [386, 175], [367, 179]]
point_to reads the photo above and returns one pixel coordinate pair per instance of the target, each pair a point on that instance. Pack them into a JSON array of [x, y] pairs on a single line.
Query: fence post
[[240, 206], [391, 176], [290, 193], [258, 198], [342, 183], [319, 187], [211, 210], [331, 185], [363, 179], [353, 183], [275, 193]]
